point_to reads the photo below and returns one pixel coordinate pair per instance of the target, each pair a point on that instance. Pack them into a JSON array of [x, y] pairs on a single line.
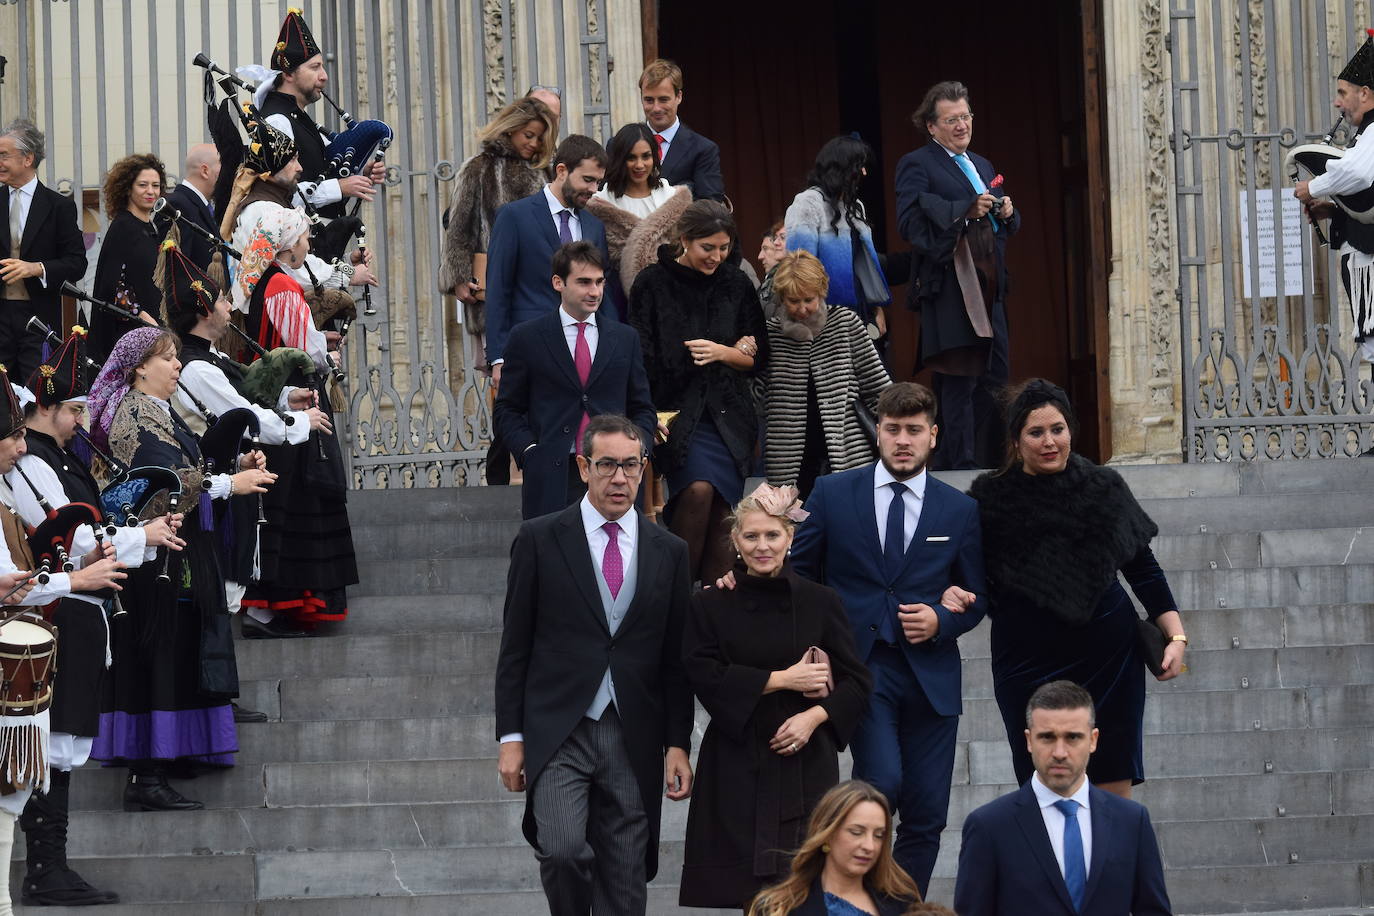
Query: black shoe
[[279, 628], [63, 887], [247, 715], [152, 793]]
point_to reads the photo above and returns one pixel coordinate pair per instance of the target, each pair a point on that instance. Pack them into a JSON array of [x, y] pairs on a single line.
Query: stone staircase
[[373, 790]]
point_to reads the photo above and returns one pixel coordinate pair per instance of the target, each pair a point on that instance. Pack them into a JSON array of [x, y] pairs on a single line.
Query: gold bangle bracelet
[[1179, 637]]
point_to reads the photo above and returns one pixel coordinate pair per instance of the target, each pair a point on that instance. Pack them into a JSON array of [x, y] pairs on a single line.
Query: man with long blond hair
[[847, 854]]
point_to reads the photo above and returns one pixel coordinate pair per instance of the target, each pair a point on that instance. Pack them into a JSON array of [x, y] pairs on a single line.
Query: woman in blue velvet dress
[[1056, 531]]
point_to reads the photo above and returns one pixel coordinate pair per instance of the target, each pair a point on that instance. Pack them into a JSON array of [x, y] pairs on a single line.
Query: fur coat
[[633, 241], [486, 182], [1057, 540]]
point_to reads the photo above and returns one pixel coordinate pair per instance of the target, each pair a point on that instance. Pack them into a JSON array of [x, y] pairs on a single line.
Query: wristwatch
[[1179, 637]]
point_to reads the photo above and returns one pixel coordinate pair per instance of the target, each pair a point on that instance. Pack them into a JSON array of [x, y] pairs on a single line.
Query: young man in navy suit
[[688, 157], [957, 219], [891, 540], [561, 369], [526, 234], [1059, 846]]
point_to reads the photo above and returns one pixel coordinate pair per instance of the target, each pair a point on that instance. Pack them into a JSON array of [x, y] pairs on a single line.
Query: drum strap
[[16, 540]]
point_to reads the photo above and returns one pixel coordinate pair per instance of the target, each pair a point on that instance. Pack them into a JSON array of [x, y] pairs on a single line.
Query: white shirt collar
[[593, 520], [883, 477], [569, 321], [669, 132], [28, 188], [952, 153], [196, 191], [556, 206], [1047, 796]]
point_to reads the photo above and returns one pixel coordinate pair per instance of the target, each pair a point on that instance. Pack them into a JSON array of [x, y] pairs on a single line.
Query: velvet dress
[[750, 805], [1053, 546]]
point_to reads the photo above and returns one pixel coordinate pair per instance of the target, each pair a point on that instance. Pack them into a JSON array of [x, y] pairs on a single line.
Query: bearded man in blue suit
[[891, 540]]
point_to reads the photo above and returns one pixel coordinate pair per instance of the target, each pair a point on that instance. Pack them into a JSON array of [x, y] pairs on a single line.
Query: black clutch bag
[[867, 422], [1152, 646]]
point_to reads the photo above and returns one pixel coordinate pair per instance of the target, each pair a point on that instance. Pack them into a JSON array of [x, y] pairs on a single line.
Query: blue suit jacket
[[541, 401], [694, 161], [838, 545], [1007, 867], [520, 265], [196, 247]]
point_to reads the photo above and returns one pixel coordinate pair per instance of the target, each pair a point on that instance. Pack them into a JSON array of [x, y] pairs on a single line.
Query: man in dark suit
[[192, 197], [41, 247], [1036, 851], [686, 156], [891, 540], [953, 212], [562, 369], [590, 686]]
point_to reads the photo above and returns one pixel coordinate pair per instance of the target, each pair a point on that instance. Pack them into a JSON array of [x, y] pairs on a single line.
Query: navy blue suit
[[188, 202], [541, 401], [520, 265], [905, 743], [1007, 867], [694, 161], [933, 194]]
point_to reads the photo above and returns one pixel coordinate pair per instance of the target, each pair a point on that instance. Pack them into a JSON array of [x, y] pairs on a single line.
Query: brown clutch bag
[[818, 656], [479, 273]]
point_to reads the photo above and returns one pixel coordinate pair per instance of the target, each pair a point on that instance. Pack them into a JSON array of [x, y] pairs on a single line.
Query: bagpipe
[[1314, 159]]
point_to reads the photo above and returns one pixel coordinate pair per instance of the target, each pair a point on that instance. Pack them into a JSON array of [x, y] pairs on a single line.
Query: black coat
[[694, 161], [124, 275], [933, 195], [670, 304], [814, 904], [193, 244], [749, 804], [556, 646], [541, 401], [53, 237]]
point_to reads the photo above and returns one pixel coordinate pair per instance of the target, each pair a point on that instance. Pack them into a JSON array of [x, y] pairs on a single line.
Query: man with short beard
[[526, 234]]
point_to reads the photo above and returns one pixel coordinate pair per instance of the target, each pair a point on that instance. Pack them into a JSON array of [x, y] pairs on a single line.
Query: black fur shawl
[[1057, 540]]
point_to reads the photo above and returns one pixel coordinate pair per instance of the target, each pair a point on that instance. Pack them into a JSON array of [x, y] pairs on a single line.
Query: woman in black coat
[[128, 252], [780, 712], [703, 336]]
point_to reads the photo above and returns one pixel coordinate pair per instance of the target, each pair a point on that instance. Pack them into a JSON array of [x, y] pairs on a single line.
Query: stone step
[[434, 508], [1266, 841], [474, 537], [377, 615], [423, 578], [1250, 549], [364, 656]]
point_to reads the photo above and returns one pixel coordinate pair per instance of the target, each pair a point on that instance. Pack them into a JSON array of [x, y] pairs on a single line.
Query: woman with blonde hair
[[845, 866], [773, 661]]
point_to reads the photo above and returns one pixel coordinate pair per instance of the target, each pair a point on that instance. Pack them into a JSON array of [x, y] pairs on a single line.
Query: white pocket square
[[944, 538]]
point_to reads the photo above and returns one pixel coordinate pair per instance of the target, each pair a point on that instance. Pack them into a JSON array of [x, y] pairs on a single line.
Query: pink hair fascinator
[[780, 501]]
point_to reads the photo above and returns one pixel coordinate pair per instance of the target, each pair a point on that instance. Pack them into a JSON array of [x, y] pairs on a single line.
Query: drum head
[[25, 633]]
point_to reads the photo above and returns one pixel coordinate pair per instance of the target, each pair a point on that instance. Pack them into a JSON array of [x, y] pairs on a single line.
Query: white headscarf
[[277, 229]]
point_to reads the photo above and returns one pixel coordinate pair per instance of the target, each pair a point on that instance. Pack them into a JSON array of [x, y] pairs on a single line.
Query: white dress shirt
[[668, 134], [593, 524], [570, 333], [1351, 173], [22, 197], [1054, 820], [912, 501], [196, 191], [556, 207]]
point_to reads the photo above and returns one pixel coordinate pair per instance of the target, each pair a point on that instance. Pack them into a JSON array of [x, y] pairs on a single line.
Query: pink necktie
[[582, 362], [612, 567], [658, 138]]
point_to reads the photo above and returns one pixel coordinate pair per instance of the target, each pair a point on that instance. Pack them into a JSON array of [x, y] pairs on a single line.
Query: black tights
[[700, 517]]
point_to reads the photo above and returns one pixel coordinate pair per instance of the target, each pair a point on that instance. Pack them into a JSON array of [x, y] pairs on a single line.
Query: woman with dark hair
[[639, 208], [1056, 531], [844, 866], [827, 219], [703, 336], [780, 710], [174, 673], [128, 251], [517, 145]]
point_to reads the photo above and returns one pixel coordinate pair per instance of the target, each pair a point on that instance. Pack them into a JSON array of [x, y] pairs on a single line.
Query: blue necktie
[[966, 165], [893, 553], [564, 229], [1075, 873]]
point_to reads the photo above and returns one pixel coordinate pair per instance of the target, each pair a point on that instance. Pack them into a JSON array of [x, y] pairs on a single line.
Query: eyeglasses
[[957, 120], [557, 93], [606, 467]]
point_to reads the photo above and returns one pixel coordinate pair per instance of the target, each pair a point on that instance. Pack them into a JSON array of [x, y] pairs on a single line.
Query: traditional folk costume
[[307, 544], [1347, 175], [53, 472], [174, 672]]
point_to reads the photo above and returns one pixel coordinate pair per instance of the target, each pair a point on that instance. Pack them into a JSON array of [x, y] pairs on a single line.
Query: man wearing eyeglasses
[[954, 212], [562, 369], [593, 710]]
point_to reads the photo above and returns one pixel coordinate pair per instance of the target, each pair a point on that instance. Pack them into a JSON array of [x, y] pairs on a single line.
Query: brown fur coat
[[486, 182], [633, 242]]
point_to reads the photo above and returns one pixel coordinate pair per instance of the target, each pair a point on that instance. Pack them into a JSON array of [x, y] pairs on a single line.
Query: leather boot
[[49, 880], [150, 792]]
